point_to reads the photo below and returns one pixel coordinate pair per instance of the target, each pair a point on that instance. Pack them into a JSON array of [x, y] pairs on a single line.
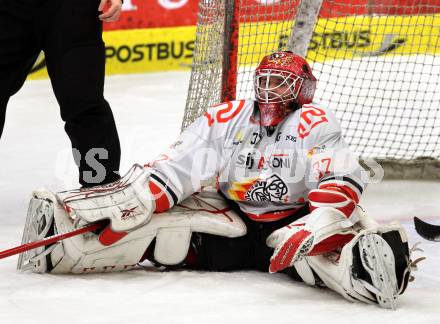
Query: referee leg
[[75, 55], [18, 52]]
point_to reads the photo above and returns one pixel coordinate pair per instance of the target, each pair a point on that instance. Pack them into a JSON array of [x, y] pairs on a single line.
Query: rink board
[[166, 49]]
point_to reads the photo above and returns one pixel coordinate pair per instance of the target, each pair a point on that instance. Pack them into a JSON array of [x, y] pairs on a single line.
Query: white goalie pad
[[39, 221], [172, 231], [337, 270], [127, 203]]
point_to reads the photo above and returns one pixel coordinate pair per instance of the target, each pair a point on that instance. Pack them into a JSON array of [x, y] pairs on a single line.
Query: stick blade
[[428, 231]]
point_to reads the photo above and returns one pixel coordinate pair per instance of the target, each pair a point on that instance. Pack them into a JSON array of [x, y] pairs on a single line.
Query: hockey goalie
[[286, 200]]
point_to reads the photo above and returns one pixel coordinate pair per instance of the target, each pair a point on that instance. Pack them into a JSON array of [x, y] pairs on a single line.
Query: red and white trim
[[331, 243], [161, 197], [290, 250], [320, 198], [273, 216], [109, 237], [351, 186]]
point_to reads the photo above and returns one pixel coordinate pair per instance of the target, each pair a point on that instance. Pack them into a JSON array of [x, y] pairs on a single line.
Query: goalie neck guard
[[283, 81]]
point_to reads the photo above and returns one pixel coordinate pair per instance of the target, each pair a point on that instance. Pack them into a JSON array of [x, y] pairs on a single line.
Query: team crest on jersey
[[270, 189]]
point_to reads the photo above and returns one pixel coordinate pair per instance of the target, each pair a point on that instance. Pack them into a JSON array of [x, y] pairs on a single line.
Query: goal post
[[230, 50], [377, 64]]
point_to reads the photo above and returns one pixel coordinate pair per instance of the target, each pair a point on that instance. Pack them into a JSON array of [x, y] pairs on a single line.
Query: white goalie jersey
[[267, 171]]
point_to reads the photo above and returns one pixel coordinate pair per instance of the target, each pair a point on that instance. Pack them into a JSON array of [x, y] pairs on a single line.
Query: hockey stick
[[51, 239], [428, 231]]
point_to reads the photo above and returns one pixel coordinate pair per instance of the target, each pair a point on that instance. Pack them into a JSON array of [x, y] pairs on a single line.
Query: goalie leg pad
[[38, 225], [374, 267], [172, 230], [377, 259]]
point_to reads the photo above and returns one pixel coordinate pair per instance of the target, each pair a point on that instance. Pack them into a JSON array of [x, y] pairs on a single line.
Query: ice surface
[[34, 152]]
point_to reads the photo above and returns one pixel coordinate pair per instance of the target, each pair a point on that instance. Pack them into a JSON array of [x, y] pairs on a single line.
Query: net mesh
[[377, 64]]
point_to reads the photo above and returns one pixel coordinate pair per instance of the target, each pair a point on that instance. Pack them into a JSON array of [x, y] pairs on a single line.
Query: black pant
[[249, 252], [70, 34]]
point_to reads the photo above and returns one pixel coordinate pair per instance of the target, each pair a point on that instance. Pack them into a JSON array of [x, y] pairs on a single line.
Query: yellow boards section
[[358, 36], [348, 37], [142, 50], [162, 49], [39, 70], [148, 50]]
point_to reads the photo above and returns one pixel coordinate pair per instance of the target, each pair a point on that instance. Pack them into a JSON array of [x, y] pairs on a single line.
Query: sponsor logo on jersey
[[270, 189], [287, 138], [238, 139], [260, 162], [316, 150], [246, 161], [238, 190], [290, 138]]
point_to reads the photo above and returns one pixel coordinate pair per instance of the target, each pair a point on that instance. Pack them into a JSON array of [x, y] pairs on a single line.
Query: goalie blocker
[[116, 250]]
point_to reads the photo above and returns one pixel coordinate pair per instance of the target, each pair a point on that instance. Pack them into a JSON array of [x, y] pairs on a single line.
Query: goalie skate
[[377, 259], [39, 224]]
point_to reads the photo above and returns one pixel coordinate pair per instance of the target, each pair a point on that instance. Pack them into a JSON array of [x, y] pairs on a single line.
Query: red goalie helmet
[[283, 80]]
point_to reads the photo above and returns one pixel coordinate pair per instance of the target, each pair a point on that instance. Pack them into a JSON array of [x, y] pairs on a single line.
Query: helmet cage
[[265, 93]]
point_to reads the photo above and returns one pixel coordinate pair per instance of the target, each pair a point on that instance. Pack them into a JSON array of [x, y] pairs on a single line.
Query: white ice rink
[[34, 152]]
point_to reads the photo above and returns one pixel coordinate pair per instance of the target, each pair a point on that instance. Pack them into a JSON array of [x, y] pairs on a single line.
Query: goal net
[[377, 63]]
